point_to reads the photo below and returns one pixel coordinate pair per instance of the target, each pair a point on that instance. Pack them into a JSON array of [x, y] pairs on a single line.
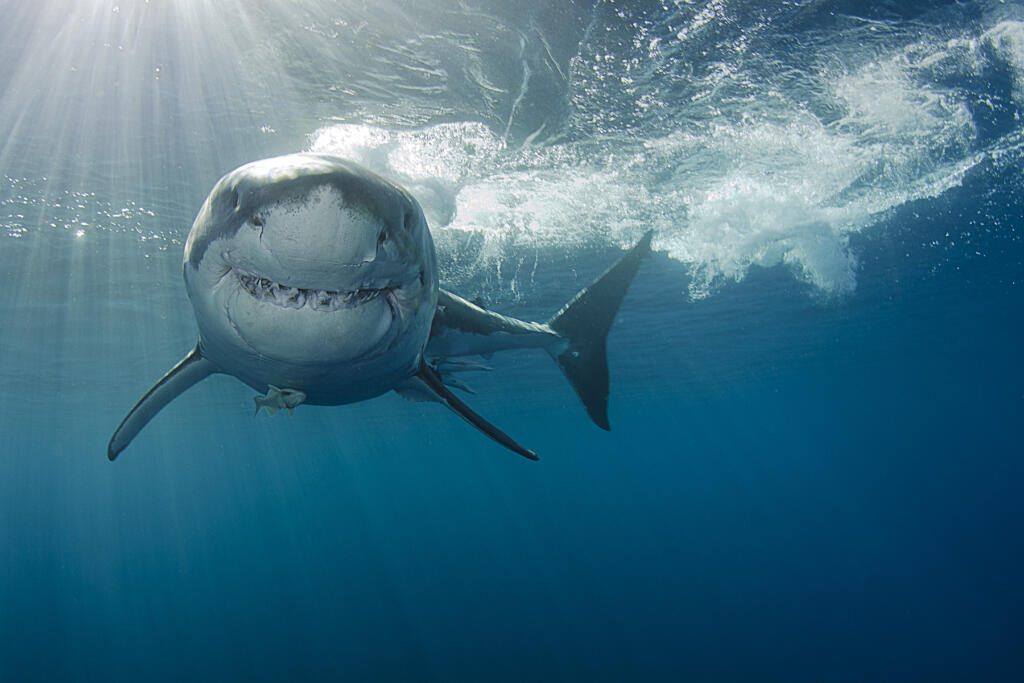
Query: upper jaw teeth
[[297, 297]]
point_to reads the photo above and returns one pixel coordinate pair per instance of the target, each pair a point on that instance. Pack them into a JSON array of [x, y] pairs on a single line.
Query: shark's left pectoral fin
[[191, 369], [430, 380]]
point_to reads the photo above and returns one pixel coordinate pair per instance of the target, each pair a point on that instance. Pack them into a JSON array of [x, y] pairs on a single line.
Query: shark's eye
[[257, 221], [382, 237]]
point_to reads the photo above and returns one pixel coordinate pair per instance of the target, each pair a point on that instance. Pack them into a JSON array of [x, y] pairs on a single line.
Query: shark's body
[[315, 281]]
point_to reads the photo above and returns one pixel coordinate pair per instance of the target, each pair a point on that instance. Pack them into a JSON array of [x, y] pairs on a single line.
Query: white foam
[[1007, 40], [446, 152], [787, 189], [745, 221]]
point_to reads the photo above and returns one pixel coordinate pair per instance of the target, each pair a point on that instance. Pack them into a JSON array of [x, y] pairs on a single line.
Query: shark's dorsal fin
[[432, 380], [192, 368]]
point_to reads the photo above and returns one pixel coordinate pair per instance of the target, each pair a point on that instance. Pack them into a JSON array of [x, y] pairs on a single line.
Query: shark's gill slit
[[317, 299]]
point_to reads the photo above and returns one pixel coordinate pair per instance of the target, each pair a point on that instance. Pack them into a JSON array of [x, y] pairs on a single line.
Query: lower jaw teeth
[[295, 297]]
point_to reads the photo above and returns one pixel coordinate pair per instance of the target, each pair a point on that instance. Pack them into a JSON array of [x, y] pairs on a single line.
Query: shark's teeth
[[297, 297]]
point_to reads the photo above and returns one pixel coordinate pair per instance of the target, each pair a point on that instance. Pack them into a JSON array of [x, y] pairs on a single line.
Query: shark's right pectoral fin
[[429, 385], [192, 368]]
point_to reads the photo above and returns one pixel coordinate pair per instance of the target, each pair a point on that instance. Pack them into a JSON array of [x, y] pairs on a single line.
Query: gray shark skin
[[314, 280]]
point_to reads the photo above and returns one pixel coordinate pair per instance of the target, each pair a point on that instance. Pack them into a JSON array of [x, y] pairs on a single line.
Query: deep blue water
[[815, 468]]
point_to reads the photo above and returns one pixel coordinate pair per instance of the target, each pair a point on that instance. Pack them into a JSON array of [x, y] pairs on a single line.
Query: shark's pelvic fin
[[432, 380], [585, 322], [192, 368]]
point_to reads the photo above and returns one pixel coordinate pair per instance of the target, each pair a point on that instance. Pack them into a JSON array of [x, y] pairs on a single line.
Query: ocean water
[[815, 466]]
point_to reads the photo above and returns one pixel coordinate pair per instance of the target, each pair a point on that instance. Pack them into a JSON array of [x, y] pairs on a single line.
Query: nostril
[[382, 237]]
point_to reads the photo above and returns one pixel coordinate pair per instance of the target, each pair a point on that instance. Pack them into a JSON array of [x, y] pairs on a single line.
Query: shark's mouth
[[325, 300]]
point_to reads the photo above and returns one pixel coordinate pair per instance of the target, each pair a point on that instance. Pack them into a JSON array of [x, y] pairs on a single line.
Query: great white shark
[[314, 280]]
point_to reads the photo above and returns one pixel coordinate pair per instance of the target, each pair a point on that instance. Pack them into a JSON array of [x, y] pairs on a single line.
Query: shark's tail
[[585, 322]]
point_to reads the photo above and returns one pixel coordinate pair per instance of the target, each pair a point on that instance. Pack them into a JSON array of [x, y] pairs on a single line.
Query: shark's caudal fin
[[190, 370], [585, 322]]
